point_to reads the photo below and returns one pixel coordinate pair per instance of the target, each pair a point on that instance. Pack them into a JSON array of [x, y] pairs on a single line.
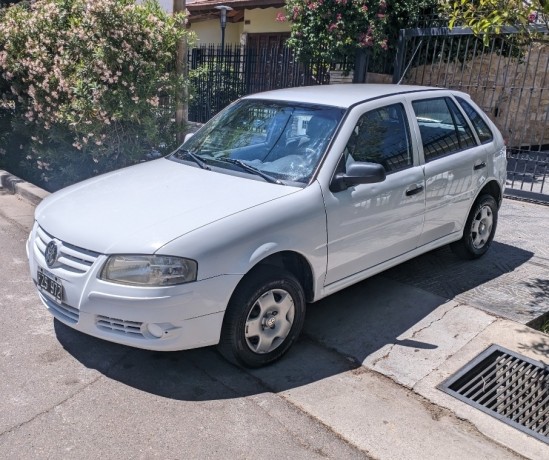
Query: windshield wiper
[[252, 170], [199, 161]]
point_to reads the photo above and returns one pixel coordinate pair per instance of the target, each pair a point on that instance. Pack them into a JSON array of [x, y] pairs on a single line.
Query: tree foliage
[[90, 83], [335, 29], [488, 17]]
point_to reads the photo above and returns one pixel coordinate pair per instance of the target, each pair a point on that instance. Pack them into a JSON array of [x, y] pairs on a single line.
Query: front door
[[371, 223]]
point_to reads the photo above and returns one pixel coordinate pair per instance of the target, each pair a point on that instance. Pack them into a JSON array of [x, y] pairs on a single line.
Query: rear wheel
[[479, 229], [263, 318]]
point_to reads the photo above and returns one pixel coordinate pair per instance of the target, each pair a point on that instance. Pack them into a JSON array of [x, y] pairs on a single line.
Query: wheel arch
[[293, 262], [492, 188], [284, 267]]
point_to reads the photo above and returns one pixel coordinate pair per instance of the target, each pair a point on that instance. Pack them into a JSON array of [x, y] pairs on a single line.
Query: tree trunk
[[181, 108]]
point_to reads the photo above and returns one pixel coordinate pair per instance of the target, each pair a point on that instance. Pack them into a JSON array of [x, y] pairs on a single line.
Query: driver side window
[[382, 136]]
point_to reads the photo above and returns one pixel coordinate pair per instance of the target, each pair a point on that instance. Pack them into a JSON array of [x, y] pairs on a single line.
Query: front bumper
[[153, 318]]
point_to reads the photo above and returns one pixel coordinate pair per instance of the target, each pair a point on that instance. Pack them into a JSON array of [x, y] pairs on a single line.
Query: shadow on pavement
[[446, 275], [340, 332]]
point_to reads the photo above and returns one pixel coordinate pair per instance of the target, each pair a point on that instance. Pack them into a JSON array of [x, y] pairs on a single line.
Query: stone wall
[[339, 77], [514, 92]]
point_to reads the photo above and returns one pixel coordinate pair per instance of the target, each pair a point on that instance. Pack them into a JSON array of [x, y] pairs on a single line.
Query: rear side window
[[443, 128], [382, 136], [484, 133]]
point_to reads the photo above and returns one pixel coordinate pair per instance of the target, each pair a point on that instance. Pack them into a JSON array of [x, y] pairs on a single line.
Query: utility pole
[[181, 107]]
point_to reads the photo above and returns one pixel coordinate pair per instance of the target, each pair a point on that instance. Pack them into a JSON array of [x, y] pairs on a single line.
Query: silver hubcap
[[482, 227], [269, 321]]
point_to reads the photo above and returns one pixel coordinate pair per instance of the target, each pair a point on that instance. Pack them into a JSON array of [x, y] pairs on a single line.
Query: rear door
[[454, 164]]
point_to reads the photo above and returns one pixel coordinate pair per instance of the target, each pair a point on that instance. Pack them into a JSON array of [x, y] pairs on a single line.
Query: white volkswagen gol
[[283, 198]]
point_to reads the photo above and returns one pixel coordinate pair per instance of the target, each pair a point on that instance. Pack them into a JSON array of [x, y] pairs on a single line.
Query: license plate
[[51, 286]]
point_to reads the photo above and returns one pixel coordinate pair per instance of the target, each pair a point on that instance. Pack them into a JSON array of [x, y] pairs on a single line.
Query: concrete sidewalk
[[371, 358]]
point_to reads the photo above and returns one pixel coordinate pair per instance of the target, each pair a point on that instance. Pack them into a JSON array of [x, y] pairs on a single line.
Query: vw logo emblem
[[51, 253]]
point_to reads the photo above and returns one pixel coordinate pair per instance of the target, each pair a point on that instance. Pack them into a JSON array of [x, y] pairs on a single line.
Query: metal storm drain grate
[[508, 386]]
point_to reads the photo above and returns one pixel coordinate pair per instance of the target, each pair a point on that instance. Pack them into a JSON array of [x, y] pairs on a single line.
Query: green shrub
[[334, 30], [91, 84]]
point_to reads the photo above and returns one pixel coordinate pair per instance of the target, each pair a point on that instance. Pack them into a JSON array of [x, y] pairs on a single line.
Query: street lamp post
[[223, 23]]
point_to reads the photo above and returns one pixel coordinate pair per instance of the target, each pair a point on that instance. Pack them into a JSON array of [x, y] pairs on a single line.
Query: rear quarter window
[[481, 127]]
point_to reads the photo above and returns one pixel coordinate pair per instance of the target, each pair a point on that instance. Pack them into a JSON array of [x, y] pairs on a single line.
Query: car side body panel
[[233, 246]]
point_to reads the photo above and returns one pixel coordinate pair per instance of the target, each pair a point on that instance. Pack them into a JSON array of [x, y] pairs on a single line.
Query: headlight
[[140, 270]]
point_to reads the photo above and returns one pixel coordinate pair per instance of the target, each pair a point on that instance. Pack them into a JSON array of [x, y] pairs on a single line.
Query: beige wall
[[264, 20], [261, 21], [209, 32]]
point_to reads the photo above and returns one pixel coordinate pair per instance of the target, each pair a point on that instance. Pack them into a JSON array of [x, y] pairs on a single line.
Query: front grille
[[119, 326], [71, 258], [508, 386], [61, 311]]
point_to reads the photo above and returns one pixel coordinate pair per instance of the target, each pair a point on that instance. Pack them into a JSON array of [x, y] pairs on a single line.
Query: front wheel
[[264, 317], [479, 229]]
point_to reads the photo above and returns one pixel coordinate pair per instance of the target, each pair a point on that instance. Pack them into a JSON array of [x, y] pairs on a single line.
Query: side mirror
[[187, 137], [358, 173]]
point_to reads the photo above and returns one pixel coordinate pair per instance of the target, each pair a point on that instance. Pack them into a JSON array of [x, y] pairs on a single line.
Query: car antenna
[[410, 63]]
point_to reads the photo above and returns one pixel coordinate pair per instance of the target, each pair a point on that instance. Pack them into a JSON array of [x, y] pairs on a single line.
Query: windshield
[[282, 140]]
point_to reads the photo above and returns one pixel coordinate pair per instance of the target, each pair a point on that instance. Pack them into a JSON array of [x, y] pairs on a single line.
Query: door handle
[[414, 189], [479, 166]]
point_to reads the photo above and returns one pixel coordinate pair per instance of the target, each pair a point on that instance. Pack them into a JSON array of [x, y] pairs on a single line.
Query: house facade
[[250, 22]]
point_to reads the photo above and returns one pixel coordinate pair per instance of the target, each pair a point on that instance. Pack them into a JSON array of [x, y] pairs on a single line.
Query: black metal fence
[[508, 78], [218, 78]]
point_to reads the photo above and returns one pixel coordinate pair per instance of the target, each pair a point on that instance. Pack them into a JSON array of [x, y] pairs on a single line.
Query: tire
[[264, 317], [479, 229]]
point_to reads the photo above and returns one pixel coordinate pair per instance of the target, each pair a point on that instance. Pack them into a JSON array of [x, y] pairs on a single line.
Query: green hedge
[[88, 86]]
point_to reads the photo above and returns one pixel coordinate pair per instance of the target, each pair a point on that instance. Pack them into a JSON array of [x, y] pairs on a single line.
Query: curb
[[26, 190]]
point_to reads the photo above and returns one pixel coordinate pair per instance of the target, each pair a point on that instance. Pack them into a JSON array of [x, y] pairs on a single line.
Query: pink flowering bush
[[335, 29], [90, 83]]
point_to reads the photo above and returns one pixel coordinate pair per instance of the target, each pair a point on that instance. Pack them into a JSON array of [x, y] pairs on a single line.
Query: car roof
[[343, 95]]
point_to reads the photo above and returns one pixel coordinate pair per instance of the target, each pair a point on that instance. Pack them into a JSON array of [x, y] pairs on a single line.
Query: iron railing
[[507, 77], [220, 76]]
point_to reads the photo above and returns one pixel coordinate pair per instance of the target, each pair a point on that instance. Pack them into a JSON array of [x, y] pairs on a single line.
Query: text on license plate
[[51, 286]]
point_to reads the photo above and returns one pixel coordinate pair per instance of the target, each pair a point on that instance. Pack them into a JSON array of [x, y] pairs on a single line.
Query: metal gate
[[507, 78], [219, 77]]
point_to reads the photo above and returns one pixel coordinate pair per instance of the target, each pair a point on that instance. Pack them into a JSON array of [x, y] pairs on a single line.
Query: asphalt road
[[68, 395]]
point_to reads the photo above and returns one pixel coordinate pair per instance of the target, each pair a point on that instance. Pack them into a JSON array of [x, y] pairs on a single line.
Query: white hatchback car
[[281, 199]]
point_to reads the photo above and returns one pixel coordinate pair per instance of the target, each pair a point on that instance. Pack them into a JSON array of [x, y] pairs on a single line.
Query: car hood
[[143, 207]]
